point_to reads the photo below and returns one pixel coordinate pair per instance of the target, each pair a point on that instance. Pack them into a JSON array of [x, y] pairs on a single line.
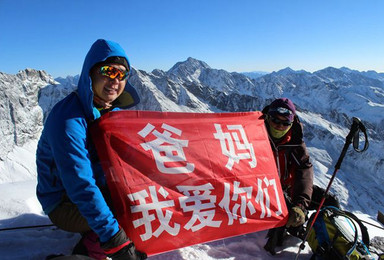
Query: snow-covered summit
[[187, 68], [285, 71], [35, 75]]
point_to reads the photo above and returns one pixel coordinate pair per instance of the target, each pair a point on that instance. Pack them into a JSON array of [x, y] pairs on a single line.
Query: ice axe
[[353, 137]]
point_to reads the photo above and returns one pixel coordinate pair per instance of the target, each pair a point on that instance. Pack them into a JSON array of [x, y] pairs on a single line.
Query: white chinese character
[[261, 192], [196, 199], [230, 142], [158, 207], [168, 151], [245, 195]]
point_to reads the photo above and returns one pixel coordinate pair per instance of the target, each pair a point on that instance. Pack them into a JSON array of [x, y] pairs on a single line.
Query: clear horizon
[[242, 36]]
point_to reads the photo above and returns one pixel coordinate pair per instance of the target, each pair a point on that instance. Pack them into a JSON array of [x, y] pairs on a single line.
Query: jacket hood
[[99, 52]]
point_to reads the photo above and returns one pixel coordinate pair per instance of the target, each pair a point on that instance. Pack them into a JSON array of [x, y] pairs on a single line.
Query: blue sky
[[242, 36]]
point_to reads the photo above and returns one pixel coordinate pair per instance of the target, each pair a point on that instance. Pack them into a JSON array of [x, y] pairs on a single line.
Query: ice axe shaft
[[353, 136]]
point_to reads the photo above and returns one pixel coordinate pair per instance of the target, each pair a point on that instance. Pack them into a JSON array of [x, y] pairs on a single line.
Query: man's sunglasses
[[112, 72], [280, 122]]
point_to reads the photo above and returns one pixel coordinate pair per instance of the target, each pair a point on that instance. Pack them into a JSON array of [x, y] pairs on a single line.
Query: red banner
[[179, 179]]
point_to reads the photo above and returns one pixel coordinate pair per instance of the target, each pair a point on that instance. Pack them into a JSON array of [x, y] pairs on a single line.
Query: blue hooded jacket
[[64, 152]]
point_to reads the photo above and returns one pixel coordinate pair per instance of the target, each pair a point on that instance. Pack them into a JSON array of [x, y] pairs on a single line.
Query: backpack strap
[[363, 228]]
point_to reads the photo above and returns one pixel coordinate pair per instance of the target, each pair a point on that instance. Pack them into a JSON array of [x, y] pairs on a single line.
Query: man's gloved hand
[[296, 217], [119, 247]]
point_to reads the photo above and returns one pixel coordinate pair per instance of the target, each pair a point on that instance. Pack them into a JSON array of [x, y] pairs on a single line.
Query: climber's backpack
[[338, 234]]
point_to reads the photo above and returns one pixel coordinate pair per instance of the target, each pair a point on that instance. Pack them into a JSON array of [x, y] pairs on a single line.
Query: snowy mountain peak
[[68, 80], [286, 71], [254, 74], [374, 75], [369, 73], [35, 75], [348, 70], [189, 67], [348, 77], [332, 72], [158, 72]]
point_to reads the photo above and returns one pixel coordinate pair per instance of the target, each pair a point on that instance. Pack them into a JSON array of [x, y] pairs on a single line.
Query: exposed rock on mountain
[[21, 117]]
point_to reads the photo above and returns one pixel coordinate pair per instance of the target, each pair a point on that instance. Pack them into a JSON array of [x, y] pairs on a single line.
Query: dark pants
[[67, 217]]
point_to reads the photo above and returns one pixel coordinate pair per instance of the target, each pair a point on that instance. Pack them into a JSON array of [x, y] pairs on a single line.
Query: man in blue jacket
[[71, 184]]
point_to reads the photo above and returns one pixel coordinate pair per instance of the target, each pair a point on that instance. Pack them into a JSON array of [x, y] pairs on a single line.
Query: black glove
[[120, 248]]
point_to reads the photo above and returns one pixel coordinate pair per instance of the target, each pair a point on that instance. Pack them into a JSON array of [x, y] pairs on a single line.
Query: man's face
[[106, 88]]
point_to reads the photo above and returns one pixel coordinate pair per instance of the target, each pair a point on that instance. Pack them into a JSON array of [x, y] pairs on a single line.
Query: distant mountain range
[[254, 74], [326, 101]]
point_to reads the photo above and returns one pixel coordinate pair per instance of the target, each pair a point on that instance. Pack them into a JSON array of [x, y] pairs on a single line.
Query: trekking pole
[[25, 227], [353, 136]]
